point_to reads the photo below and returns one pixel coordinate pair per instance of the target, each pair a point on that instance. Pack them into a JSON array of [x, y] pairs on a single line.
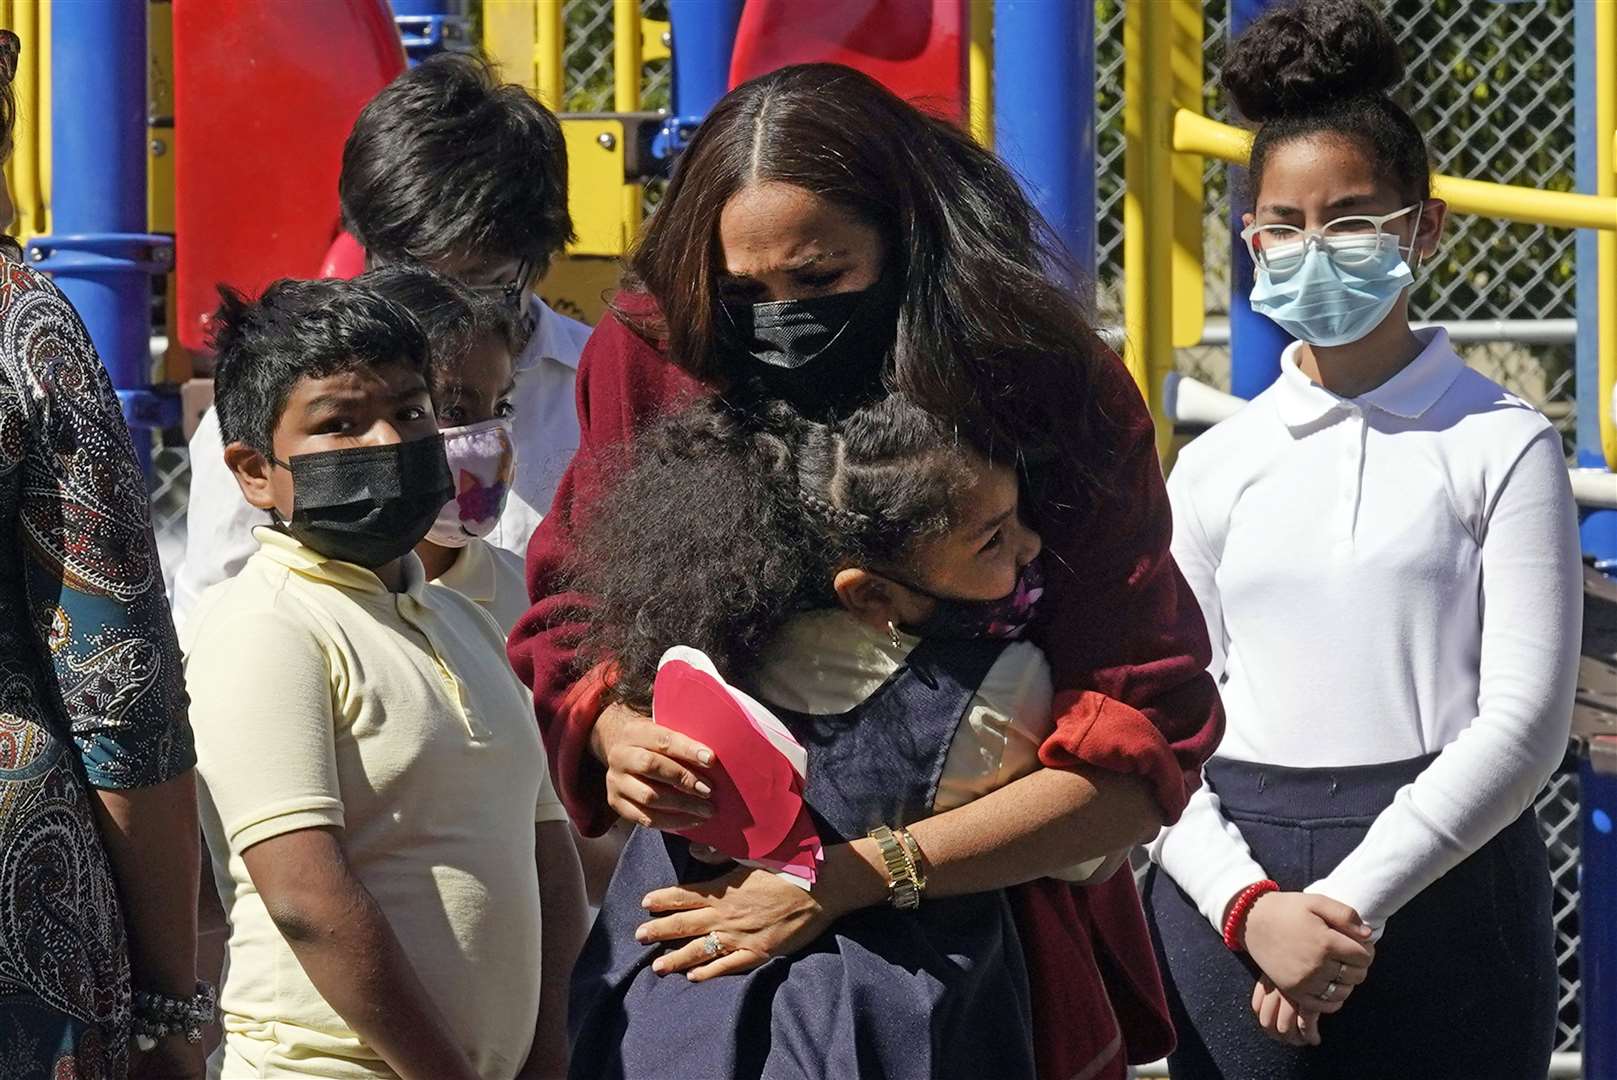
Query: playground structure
[[171, 162]]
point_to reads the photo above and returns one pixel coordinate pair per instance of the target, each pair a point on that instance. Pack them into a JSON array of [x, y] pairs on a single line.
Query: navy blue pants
[[1464, 981]]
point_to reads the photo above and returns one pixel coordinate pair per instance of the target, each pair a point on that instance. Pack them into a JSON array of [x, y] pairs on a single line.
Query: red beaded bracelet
[[1235, 921]]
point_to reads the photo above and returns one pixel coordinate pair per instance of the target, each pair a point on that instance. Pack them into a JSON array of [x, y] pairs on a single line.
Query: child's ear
[[252, 471], [1429, 228], [867, 597]]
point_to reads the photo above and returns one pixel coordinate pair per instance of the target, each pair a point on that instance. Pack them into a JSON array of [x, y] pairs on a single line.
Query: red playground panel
[[264, 94], [345, 260], [917, 48]]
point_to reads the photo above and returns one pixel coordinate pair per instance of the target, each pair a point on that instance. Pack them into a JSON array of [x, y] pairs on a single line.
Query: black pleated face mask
[[368, 505], [815, 353]]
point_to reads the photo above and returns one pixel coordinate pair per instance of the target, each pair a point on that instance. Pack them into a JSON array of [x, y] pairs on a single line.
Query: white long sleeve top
[[1383, 577]]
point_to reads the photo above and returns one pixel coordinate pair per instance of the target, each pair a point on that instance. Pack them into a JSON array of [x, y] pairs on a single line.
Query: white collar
[[555, 337], [1303, 402]]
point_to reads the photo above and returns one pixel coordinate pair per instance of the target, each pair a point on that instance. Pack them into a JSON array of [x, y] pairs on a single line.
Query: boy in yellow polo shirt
[[375, 797]]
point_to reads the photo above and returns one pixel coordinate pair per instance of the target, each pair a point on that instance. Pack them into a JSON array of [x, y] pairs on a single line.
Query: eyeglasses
[[508, 294], [10, 50], [1347, 241]]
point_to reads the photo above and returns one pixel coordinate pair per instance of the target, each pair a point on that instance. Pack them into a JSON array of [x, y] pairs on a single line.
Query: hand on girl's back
[[650, 770], [1304, 943]]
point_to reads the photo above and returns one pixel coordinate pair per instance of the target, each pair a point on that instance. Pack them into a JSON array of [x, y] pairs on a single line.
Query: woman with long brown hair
[[823, 244], [98, 823]]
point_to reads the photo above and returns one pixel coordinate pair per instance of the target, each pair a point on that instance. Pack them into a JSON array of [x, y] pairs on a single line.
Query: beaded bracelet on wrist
[[157, 1016], [1235, 921]]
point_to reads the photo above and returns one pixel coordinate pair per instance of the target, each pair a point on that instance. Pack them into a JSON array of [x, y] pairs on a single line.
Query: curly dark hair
[[300, 330], [1326, 66], [723, 523], [448, 162]]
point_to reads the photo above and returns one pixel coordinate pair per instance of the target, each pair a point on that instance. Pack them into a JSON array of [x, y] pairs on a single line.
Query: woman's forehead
[[773, 226]]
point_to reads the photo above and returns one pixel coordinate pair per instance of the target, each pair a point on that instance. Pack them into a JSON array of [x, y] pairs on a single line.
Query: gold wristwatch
[[901, 857]]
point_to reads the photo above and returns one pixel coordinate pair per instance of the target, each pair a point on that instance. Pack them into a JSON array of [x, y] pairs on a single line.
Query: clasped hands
[[1314, 952]]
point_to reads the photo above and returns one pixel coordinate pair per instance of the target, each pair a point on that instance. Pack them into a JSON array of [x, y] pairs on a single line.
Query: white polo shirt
[[1383, 577], [219, 522]]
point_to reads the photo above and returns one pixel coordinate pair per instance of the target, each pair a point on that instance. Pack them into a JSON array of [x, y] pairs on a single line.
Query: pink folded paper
[[759, 816]]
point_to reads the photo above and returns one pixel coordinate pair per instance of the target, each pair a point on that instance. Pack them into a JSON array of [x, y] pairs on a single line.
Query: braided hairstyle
[[720, 524]]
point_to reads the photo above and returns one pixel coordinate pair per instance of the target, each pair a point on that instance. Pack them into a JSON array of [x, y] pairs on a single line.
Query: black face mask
[[368, 505], [815, 354], [1005, 617]]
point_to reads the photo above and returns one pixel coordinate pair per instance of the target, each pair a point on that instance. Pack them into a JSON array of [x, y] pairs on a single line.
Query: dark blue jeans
[[1464, 982]]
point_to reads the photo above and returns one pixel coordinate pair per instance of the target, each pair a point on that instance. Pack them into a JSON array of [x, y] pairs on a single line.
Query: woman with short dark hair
[[822, 244]]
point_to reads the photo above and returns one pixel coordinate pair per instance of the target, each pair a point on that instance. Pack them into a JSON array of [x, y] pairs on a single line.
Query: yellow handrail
[[1193, 134]]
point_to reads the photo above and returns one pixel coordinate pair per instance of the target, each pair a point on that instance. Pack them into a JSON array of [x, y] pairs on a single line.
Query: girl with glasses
[[1385, 548]]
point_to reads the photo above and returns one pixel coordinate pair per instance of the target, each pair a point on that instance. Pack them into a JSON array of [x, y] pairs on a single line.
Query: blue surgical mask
[[1324, 302]]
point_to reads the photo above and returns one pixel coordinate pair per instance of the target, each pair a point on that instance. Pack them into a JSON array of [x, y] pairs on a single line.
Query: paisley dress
[[91, 689]]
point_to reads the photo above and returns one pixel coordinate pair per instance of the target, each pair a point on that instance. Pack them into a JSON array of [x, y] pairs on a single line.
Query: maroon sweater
[[1127, 647]]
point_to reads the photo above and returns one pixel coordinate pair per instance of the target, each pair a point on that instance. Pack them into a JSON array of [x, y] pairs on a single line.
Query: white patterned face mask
[[482, 461]]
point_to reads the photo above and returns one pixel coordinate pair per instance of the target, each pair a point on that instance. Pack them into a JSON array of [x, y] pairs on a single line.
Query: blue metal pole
[[1255, 342], [704, 34], [1044, 113], [101, 256], [1598, 527], [1597, 920], [432, 26]]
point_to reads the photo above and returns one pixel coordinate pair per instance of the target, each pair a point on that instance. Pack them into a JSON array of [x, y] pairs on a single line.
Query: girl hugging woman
[[868, 579]]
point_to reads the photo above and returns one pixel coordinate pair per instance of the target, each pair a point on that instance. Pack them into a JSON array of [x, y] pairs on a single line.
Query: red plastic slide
[[917, 48], [264, 94]]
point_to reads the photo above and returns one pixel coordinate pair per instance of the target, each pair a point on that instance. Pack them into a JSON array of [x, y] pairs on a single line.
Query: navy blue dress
[[940, 992]]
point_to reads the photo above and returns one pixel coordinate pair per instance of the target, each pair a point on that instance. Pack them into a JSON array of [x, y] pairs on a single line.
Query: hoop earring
[[892, 634]]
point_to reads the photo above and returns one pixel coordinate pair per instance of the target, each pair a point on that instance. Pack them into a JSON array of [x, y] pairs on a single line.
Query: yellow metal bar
[[628, 59], [508, 37], [1147, 205], [982, 72], [1606, 241], [160, 106], [550, 42], [1560, 209], [43, 92], [31, 140], [1189, 199]]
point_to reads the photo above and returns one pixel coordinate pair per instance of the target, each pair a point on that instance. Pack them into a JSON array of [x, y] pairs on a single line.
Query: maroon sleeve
[[622, 383], [1125, 637]]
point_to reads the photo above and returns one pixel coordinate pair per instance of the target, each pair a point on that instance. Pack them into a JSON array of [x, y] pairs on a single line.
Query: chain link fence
[[1491, 85]]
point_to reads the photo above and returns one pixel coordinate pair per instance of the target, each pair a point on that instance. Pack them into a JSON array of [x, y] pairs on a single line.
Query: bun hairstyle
[[1327, 67]]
